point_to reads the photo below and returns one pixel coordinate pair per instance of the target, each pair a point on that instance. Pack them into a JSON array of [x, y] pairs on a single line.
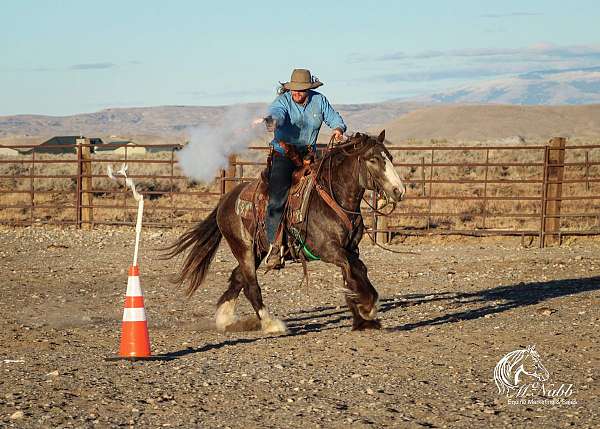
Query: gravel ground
[[450, 311]]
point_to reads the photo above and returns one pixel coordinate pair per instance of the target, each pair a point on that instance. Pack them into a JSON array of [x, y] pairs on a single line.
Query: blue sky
[[66, 57]]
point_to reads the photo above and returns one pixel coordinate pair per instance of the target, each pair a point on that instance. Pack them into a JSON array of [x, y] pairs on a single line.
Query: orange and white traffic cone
[[135, 342]]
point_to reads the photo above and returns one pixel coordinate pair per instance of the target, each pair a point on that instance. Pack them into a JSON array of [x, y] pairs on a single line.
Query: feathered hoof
[[226, 326], [274, 326], [225, 315], [363, 325]]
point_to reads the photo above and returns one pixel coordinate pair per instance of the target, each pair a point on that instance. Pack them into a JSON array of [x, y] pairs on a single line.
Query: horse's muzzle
[[398, 194]]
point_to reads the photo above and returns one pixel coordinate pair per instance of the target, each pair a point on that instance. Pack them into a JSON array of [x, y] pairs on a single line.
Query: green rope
[[308, 253], [303, 245]]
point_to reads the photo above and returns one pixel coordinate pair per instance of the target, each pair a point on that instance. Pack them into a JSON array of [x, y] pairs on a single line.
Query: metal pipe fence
[[545, 191]]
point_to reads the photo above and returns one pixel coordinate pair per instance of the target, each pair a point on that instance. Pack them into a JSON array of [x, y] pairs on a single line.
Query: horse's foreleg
[[361, 296], [367, 305], [359, 323]]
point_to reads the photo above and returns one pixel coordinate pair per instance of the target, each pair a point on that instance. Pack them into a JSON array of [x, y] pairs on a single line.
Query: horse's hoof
[[225, 315], [362, 325], [274, 326]]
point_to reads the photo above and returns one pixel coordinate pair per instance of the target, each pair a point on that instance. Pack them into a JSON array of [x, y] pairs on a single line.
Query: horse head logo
[[512, 369]]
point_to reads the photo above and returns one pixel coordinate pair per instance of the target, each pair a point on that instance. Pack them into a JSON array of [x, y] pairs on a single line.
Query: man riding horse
[[296, 117], [330, 225]]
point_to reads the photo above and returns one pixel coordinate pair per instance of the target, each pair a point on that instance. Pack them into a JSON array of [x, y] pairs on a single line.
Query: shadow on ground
[[513, 296], [494, 301]]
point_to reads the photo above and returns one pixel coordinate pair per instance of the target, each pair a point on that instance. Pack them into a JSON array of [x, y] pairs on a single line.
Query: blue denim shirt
[[300, 124]]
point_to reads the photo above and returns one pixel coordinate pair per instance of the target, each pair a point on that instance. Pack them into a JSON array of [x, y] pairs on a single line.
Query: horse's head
[[532, 365], [511, 368], [378, 172]]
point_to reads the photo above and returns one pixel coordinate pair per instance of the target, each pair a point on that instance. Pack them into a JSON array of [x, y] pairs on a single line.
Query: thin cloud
[[431, 75], [529, 52], [83, 66], [228, 94], [524, 70], [509, 15], [92, 66]]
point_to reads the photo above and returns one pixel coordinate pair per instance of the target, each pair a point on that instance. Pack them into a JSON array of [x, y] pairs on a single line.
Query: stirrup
[[274, 261]]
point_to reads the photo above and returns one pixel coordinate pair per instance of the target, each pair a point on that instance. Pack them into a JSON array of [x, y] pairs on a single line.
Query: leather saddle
[[252, 202]]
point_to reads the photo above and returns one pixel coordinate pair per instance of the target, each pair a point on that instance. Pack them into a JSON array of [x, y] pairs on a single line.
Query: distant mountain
[[491, 122], [530, 105], [170, 122], [549, 87]]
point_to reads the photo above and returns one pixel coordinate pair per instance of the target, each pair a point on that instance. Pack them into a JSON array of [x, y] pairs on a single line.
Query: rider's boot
[[274, 259]]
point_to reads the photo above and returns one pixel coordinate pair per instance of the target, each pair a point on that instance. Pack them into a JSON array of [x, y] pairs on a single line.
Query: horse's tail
[[203, 241]]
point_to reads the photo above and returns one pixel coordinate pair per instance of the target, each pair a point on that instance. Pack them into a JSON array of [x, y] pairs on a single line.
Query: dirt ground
[[450, 310]]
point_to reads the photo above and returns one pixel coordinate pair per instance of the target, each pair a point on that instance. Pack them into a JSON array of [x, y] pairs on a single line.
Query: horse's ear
[[381, 137]]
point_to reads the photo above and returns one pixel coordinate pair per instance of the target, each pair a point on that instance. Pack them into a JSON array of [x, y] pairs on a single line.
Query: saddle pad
[[252, 201], [299, 198]]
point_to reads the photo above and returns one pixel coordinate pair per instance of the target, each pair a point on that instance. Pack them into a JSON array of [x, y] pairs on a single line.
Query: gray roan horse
[[345, 171]]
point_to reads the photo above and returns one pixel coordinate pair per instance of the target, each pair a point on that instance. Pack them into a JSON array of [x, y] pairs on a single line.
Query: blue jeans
[[280, 180]]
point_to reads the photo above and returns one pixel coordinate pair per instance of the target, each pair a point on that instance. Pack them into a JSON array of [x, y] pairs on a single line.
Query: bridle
[[366, 180]]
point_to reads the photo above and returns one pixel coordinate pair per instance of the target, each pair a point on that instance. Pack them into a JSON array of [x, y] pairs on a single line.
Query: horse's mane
[[505, 367], [357, 144]]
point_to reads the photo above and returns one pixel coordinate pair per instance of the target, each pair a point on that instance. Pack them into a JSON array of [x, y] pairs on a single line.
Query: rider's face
[[299, 96]]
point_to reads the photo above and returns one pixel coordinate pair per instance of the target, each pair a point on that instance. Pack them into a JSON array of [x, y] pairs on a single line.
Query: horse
[[344, 172], [510, 369]]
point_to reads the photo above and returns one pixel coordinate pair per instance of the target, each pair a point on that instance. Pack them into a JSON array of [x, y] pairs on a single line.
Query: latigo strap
[[335, 206]]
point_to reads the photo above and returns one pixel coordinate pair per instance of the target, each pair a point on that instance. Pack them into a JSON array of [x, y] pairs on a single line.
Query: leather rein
[[348, 149]]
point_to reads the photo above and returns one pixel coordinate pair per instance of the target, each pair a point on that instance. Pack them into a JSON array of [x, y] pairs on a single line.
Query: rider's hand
[[338, 135], [270, 123]]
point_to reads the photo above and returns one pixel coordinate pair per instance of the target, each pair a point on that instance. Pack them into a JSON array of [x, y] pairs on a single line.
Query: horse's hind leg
[[225, 314], [245, 275], [252, 291]]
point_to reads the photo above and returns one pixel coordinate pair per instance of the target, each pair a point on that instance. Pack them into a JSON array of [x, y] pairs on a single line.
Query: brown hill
[[490, 122], [402, 121], [169, 123]]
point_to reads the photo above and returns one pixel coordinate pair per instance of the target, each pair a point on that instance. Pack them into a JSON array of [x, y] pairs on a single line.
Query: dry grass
[[168, 199], [517, 214]]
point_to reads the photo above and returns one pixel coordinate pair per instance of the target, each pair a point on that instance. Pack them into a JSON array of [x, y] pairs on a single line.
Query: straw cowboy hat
[[302, 80]]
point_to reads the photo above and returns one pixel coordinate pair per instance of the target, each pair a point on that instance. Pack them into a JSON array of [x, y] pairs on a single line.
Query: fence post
[[587, 170], [430, 194], [32, 187], [423, 176], [85, 215], [231, 173], [222, 176], [485, 183], [553, 192]]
